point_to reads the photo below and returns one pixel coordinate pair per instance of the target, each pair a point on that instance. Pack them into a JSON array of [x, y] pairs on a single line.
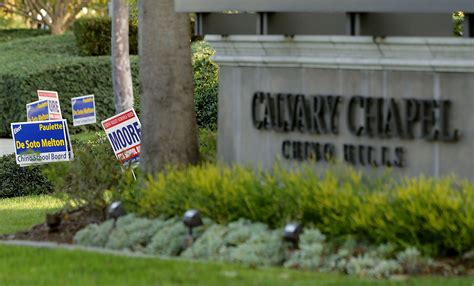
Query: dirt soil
[[70, 223]]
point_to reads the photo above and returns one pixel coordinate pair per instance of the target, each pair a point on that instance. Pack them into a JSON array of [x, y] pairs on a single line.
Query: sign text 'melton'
[[369, 117]]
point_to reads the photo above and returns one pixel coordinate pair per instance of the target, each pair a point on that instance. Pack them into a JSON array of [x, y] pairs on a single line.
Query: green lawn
[[39, 266], [21, 213]]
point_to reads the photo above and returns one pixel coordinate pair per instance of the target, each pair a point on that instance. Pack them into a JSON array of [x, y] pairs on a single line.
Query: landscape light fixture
[[53, 221], [115, 210], [292, 233], [192, 219]]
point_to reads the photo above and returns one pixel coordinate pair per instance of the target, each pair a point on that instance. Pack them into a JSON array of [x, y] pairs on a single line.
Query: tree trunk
[[121, 73], [168, 118], [57, 28]]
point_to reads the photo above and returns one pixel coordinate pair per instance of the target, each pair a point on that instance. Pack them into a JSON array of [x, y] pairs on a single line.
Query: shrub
[[71, 79], [93, 178], [95, 235], [224, 243], [18, 181], [51, 63], [170, 239], [93, 36], [15, 34], [434, 215], [254, 244], [206, 83], [207, 145], [132, 233]]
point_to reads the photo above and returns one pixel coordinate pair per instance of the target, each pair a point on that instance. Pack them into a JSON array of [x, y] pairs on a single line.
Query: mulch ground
[[70, 223]]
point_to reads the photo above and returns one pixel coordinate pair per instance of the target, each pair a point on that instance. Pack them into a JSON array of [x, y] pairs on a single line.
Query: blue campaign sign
[[37, 111], [41, 142], [83, 110]]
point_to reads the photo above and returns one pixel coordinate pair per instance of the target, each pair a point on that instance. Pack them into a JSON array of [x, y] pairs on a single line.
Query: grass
[[15, 34], [40, 266], [21, 213], [33, 54]]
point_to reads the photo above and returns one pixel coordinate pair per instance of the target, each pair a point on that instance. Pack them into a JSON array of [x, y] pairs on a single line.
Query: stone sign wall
[[402, 103]]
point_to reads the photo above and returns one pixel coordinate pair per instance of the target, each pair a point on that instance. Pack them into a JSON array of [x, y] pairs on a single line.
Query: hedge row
[[434, 215], [49, 63], [254, 244], [93, 36], [15, 34], [87, 76], [17, 181]]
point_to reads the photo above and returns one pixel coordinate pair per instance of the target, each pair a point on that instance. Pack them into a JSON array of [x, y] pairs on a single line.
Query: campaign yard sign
[[124, 131], [38, 111], [53, 98], [83, 110], [41, 142]]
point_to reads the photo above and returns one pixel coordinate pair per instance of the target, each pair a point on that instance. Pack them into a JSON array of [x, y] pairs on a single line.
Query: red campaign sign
[[123, 132], [113, 121], [47, 94], [53, 98]]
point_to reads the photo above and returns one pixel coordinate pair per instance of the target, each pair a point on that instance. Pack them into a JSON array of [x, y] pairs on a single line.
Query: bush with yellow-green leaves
[[433, 215]]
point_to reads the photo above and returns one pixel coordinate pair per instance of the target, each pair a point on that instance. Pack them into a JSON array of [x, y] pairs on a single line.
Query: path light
[[53, 221], [292, 233], [115, 210], [192, 219]]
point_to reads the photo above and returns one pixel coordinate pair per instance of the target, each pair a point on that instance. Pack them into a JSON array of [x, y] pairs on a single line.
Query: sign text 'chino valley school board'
[[124, 132], [41, 142], [83, 110]]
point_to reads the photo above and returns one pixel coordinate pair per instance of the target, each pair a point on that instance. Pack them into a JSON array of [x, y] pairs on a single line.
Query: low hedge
[[256, 245], [51, 63], [71, 78], [93, 36], [15, 34], [434, 215], [16, 181]]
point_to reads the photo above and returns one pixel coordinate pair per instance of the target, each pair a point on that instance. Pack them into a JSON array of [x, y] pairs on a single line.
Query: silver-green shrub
[[94, 235], [133, 233], [218, 242], [264, 249], [412, 261], [252, 244], [170, 239], [210, 245], [309, 256], [242, 230]]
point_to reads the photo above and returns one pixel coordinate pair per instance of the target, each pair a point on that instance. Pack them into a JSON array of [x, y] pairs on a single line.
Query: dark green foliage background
[[90, 76], [52, 63], [93, 36], [16, 181], [206, 85], [12, 34]]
